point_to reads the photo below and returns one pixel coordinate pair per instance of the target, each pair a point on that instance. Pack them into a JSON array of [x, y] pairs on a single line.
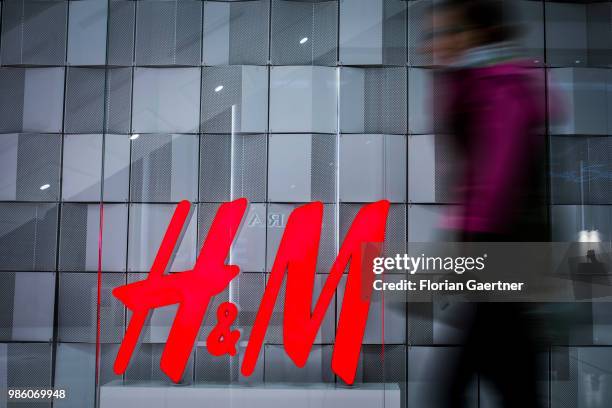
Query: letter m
[[297, 258]]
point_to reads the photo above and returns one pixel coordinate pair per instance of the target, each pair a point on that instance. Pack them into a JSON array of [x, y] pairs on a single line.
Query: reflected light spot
[[589, 236]]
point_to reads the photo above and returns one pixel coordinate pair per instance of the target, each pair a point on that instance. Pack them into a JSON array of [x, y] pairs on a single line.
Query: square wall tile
[[82, 167], [303, 99], [77, 308], [166, 100], [34, 32], [26, 312], [28, 236], [169, 32], [372, 168], [233, 166], [302, 168], [29, 167], [304, 32], [75, 369], [235, 99], [582, 96], [236, 33], [373, 100], [580, 166], [32, 99], [433, 168], [372, 32], [80, 237], [164, 168], [425, 221], [25, 366]]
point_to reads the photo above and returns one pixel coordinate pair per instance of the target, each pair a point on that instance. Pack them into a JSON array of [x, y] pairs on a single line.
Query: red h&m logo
[[296, 257]]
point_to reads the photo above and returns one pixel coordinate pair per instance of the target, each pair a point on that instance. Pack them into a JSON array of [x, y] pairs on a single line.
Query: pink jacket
[[496, 114]]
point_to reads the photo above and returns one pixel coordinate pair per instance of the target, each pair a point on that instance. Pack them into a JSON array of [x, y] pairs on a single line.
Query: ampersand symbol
[[221, 339]]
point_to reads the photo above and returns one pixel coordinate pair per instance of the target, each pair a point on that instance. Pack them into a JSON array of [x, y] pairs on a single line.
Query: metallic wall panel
[[582, 95], [234, 99], [26, 312], [233, 166], [29, 167], [373, 100], [236, 33], [384, 176], [75, 369], [25, 366], [304, 33], [80, 237], [424, 223], [302, 168], [28, 236], [303, 99], [166, 100], [566, 34], [164, 168], [168, 32], [32, 99], [34, 32], [77, 310]]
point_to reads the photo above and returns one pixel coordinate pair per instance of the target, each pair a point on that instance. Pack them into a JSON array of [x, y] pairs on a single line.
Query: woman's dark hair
[[496, 18]]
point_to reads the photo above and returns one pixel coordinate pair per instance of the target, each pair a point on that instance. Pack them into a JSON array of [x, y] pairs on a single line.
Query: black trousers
[[500, 348]]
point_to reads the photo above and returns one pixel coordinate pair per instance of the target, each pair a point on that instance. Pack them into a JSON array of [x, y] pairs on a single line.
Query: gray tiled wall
[[130, 106]]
